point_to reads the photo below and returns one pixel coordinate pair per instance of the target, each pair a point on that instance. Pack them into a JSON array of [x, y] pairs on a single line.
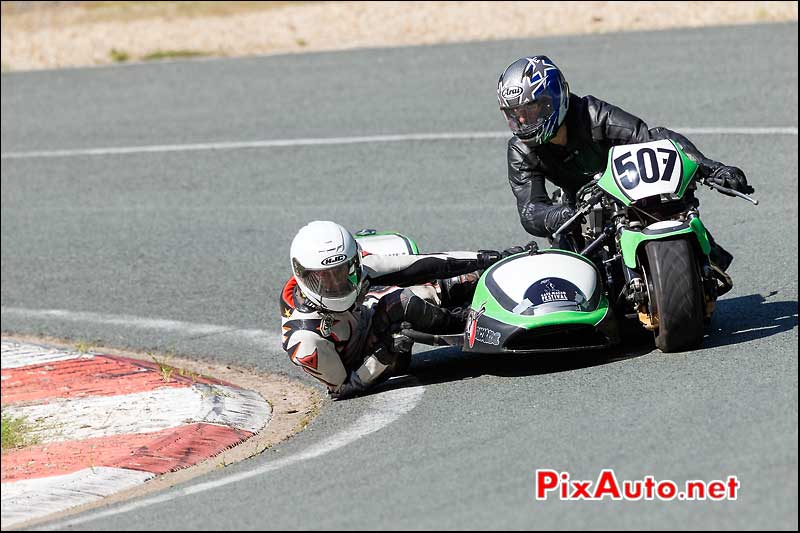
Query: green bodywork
[[689, 168], [609, 184], [629, 241], [484, 299]]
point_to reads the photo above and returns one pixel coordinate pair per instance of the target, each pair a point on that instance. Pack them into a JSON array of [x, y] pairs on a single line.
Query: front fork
[[638, 296]]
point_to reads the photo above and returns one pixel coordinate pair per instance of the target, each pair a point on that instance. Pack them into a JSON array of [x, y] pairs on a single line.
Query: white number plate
[[647, 169]]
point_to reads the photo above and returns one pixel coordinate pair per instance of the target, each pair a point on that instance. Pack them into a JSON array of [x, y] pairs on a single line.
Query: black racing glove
[[556, 216], [531, 246], [487, 258], [401, 343], [353, 386], [732, 178]]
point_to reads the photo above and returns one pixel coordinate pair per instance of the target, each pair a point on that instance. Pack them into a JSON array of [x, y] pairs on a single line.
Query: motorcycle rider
[[565, 138], [343, 307]]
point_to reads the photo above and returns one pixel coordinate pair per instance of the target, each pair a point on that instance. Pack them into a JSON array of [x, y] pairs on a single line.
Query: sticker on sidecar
[[478, 333], [549, 290], [471, 330], [487, 336]]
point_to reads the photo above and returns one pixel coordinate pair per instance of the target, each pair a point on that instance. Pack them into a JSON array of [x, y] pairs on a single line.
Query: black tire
[[676, 296]]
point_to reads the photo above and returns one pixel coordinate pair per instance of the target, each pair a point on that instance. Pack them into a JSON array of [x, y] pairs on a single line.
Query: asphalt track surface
[[202, 237]]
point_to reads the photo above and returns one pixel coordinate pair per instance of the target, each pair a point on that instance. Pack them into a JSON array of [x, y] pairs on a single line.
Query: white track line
[[386, 407], [152, 324], [777, 130], [278, 143]]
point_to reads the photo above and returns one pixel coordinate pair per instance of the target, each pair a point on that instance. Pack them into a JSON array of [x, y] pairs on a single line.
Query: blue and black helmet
[[534, 97]]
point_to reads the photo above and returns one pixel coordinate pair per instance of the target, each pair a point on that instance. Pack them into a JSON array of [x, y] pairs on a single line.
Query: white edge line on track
[[153, 324], [277, 143], [385, 407]]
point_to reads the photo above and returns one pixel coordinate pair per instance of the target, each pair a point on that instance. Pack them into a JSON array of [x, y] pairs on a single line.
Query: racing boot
[[720, 260], [406, 306], [719, 256], [458, 290], [430, 318], [401, 348]]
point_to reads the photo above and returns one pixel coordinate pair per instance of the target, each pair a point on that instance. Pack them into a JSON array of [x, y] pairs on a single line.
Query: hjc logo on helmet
[[334, 259], [511, 92]]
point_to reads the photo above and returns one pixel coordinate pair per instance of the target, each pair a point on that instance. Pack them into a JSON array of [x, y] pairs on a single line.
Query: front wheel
[[676, 296]]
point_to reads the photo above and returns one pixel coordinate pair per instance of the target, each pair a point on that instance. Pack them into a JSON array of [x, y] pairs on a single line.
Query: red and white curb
[[106, 423]]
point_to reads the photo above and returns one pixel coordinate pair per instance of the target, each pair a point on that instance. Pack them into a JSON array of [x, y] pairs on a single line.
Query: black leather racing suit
[[593, 127]]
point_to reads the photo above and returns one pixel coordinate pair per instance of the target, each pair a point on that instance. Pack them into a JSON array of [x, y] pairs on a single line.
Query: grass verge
[[118, 56], [167, 370], [16, 433], [173, 54]]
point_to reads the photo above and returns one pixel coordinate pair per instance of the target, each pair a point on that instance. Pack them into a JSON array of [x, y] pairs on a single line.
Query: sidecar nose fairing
[[549, 301]]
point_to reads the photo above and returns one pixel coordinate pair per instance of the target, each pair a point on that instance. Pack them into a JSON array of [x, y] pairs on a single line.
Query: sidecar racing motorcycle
[[636, 250]]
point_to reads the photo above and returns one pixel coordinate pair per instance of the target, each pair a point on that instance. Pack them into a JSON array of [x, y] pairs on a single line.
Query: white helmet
[[326, 262]]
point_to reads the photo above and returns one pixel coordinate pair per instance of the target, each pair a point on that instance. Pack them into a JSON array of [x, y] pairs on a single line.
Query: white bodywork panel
[[514, 277], [384, 244], [665, 224]]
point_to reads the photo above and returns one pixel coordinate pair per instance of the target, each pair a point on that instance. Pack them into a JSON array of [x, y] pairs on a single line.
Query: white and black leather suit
[[339, 347]]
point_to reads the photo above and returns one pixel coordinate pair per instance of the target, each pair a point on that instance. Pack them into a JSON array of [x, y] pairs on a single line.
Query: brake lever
[[583, 211], [730, 192]]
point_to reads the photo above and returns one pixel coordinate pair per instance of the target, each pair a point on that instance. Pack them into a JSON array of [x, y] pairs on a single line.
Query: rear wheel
[[676, 296]]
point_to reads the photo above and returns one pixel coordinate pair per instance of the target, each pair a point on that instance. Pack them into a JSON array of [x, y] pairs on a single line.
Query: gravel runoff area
[[41, 35]]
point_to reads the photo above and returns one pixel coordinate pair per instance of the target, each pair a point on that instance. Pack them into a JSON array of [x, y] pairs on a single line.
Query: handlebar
[[597, 196]]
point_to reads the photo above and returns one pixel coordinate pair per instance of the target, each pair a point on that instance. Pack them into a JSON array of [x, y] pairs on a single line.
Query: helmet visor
[[529, 116], [335, 282]]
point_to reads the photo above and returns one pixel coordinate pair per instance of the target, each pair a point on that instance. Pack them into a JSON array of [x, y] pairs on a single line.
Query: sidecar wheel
[[676, 296]]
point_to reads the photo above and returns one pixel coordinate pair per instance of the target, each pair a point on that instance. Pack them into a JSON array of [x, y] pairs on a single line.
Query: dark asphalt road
[[202, 237]]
